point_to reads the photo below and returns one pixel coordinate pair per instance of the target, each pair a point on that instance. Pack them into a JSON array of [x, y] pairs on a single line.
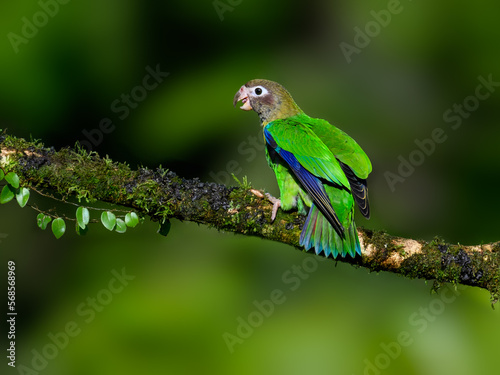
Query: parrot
[[320, 170]]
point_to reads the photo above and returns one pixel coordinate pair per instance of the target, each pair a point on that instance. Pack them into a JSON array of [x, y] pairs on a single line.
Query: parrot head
[[269, 99]]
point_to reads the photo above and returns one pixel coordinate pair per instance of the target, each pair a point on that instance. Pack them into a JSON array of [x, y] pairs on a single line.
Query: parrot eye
[[259, 90]]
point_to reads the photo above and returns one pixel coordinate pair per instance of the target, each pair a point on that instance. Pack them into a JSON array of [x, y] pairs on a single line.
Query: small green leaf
[[131, 219], [164, 227], [121, 227], [82, 216], [81, 231], [58, 227], [8, 193], [13, 179], [43, 220], [108, 219], [22, 196], [1, 174]]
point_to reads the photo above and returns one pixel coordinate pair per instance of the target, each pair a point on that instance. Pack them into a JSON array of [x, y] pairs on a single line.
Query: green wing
[[340, 144], [353, 160], [298, 138], [327, 152], [315, 167]]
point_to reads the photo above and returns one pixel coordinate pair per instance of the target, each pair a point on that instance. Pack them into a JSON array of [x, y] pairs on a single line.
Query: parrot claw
[[276, 204]]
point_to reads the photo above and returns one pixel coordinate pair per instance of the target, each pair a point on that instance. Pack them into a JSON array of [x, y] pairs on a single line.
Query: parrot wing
[[310, 161], [352, 159], [309, 150]]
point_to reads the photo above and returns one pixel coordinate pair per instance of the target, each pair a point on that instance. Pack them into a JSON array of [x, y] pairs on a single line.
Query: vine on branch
[[82, 217]]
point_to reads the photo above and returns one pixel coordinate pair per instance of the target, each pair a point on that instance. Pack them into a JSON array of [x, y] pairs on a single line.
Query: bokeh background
[[197, 284]]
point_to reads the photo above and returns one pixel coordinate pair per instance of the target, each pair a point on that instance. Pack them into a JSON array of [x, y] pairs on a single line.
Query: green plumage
[[320, 170]]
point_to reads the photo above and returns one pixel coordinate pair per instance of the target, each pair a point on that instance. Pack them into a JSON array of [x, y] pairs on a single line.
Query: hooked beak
[[242, 95]]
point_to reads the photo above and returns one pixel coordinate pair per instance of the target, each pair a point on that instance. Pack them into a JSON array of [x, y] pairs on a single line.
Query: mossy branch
[[161, 194]]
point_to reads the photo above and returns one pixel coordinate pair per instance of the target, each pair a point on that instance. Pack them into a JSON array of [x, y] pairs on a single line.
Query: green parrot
[[320, 170]]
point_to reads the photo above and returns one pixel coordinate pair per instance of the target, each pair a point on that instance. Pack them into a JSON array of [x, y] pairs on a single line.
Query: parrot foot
[[276, 204]]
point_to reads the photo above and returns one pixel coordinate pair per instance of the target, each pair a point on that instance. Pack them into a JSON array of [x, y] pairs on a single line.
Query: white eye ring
[[259, 91]]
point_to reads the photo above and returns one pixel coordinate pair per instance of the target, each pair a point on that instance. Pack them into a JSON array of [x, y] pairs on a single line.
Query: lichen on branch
[[162, 195]]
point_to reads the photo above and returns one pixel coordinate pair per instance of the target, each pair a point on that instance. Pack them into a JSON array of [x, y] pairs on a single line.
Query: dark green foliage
[[164, 228]]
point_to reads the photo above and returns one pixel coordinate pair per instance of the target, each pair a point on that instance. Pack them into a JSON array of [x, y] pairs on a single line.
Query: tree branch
[[161, 194]]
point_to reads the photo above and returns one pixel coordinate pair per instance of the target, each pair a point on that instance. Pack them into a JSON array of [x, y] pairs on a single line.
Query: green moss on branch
[[161, 194]]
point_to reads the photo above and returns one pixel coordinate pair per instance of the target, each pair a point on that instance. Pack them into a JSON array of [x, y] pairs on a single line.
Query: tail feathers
[[321, 235]]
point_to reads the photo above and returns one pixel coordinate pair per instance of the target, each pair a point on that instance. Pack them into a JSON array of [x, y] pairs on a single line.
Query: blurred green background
[[191, 290]]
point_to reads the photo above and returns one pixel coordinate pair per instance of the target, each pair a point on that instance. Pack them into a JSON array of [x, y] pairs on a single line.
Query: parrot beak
[[242, 95]]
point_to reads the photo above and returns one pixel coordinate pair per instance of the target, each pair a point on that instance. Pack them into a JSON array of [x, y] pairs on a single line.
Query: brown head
[[269, 99]]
